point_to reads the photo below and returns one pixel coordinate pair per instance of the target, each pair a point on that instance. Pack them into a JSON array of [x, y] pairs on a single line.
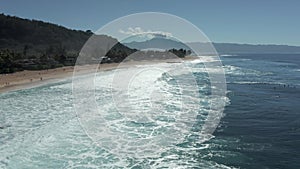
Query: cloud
[[139, 31]]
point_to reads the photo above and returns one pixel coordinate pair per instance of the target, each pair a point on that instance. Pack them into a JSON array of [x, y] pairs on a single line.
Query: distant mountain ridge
[[221, 48], [233, 48], [159, 43]]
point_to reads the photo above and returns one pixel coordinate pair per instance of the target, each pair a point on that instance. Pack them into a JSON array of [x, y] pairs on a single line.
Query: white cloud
[[140, 31]]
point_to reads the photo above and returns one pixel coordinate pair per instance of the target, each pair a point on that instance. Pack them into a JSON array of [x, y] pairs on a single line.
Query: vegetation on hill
[[34, 45], [31, 37]]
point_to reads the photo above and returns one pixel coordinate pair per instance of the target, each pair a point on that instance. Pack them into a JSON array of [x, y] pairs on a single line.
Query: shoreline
[[33, 78]]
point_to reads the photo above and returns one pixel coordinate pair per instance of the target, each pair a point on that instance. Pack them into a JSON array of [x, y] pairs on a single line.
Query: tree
[[25, 49], [89, 32], [60, 58]]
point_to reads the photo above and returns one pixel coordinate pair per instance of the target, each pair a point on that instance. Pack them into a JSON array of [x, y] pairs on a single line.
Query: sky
[[233, 21]]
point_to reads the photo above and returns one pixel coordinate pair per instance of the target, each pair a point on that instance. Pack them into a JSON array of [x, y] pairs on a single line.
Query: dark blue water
[[262, 124]]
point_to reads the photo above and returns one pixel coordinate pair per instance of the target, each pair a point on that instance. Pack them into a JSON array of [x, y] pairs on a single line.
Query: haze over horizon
[[232, 21]]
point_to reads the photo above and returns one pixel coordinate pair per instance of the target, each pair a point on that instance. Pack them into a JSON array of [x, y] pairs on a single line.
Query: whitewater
[[155, 122]]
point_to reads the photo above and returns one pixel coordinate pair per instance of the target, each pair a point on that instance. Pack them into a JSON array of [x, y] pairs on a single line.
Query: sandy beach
[[29, 78]]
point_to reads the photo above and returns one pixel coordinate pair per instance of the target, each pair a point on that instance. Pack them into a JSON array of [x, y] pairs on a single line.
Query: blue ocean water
[[260, 127]]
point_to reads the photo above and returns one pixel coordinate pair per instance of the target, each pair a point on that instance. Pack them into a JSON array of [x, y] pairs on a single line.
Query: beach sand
[[28, 79]]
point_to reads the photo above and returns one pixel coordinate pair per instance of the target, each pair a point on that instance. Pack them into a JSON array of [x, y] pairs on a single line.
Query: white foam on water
[[227, 55], [235, 70], [44, 131], [146, 107]]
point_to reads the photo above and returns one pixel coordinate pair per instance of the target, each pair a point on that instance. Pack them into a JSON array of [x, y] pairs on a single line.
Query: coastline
[[29, 78]]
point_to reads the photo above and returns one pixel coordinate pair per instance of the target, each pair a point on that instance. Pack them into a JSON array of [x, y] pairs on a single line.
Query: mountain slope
[[159, 43], [31, 44], [36, 37]]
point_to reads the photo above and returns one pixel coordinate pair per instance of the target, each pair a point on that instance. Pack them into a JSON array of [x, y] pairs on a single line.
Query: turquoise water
[[260, 127]]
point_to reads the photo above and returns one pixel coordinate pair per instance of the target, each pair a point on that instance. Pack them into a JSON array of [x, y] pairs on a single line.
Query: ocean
[[260, 126]]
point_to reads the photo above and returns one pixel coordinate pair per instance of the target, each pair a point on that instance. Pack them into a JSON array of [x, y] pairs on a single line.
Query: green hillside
[[34, 45]]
